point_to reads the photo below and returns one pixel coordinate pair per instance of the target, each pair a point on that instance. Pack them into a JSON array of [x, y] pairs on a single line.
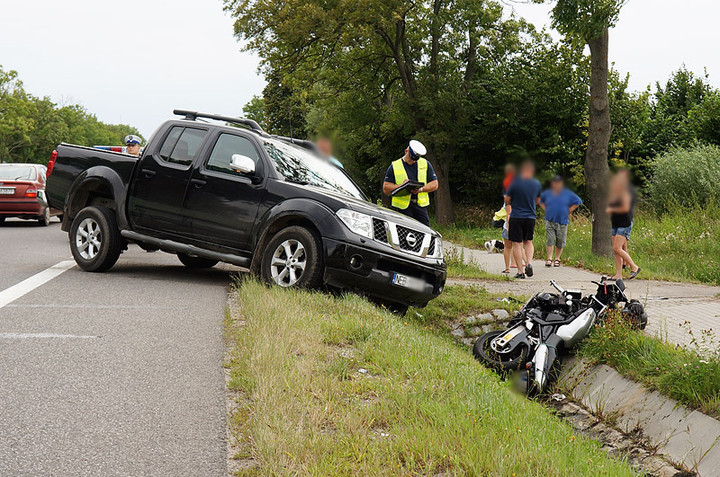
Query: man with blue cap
[[132, 145], [412, 167]]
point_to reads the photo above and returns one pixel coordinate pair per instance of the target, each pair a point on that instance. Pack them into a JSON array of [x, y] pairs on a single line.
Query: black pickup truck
[[212, 188]]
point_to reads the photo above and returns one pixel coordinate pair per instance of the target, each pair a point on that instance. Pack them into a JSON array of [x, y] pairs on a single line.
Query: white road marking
[[85, 306], [24, 336], [11, 294]]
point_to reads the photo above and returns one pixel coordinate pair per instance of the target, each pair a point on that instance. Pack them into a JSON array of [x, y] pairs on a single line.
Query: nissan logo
[[411, 239]]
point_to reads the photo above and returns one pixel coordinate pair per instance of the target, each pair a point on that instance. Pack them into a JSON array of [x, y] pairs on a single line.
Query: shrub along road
[[109, 374]]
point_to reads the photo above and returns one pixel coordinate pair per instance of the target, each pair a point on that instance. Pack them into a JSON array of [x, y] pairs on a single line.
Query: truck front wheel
[[95, 239], [293, 259]]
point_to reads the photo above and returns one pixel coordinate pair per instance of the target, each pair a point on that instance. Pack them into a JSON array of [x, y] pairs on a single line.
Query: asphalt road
[[109, 374]]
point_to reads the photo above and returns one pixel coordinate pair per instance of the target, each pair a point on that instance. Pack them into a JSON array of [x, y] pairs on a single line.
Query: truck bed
[[72, 161]]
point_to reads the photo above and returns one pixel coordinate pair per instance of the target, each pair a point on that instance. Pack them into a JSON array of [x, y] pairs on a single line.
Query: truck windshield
[[304, 167], [17, 173]]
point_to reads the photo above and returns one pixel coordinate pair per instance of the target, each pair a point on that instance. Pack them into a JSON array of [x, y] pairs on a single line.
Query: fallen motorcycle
[[549, 324]]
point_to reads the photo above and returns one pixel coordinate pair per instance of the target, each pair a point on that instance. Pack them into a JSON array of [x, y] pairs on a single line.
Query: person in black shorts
[[521, 200]]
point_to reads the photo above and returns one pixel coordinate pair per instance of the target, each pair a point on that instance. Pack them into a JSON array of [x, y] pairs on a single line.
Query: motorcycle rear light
[[32, 193], [51, 163]]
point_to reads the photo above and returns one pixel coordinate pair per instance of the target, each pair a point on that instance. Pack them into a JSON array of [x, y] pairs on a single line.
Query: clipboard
[[406, 188]]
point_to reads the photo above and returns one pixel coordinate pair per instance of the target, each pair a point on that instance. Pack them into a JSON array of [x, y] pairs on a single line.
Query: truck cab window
[[182, 144], [225, 147]]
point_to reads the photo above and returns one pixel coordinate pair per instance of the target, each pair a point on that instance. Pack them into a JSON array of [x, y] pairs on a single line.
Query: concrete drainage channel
[[655, 433]]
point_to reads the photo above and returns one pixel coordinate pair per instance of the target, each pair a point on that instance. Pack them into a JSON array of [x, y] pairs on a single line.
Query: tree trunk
[[597, 171], [444, 213]]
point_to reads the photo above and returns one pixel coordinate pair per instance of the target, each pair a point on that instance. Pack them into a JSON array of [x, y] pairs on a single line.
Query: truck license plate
[[408, 282], [7, 190]]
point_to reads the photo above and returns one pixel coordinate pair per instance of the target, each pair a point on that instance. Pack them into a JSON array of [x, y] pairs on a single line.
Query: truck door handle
[[148, 173], [198, 183]]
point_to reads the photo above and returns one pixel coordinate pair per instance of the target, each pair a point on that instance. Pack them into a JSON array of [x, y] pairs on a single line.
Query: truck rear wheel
[[95, 239], [196, 262], [293, 259]]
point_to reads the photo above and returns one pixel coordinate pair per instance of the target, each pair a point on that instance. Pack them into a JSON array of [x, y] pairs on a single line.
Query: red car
[[22, 193]]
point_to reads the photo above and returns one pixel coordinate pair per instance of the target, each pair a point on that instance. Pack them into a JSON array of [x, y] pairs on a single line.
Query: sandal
[[635, 273], [557, 263], [506, 271], [520, 276], [549, 263]]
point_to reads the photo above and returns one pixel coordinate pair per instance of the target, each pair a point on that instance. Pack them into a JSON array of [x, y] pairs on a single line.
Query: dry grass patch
[[339, 387]]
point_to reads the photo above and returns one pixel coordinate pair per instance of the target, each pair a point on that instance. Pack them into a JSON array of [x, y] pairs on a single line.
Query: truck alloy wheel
[[292, 259], [95, 239], [88, 238], [288, 263]]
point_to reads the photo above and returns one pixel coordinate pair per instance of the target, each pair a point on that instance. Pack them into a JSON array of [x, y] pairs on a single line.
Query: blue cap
[[131, 139]]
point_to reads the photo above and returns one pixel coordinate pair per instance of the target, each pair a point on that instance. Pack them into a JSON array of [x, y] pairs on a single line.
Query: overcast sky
[[134, 61]]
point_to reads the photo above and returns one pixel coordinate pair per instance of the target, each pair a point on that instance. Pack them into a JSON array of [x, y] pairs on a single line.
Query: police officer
[[412, 167], [132, 144]]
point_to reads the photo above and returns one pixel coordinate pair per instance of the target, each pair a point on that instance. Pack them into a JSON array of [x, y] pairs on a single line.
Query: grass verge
[[457, 267], [687, 375], [339, 387], [680, 245], [458, 301]]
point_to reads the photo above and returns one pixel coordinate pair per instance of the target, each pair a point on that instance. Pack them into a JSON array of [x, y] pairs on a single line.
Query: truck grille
[[404, 239], [380, 230], [410, 239]]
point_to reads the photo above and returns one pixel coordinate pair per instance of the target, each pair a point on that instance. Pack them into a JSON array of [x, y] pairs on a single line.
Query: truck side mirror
[[242, 164]]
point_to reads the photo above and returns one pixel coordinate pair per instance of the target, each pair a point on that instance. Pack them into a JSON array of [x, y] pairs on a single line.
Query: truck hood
[[337, 201]]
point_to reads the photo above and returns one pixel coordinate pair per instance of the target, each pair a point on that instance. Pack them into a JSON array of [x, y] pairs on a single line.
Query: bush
[[686, 177]]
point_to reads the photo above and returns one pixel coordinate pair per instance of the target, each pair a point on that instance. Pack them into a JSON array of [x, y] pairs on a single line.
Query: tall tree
[[590, 21], [421, 58]]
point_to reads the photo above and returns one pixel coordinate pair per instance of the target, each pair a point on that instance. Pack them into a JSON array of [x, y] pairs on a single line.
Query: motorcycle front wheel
[[503, 362]]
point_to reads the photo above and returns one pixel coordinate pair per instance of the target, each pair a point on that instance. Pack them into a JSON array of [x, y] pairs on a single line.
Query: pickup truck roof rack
[[249, 123], [305, 144], [193, 115]]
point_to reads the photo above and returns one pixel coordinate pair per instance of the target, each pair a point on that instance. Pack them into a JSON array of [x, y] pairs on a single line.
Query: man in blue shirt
[[558, 203], [521, 199]]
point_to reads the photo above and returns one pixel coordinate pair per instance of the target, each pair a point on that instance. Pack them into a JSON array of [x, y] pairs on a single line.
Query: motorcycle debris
[[559, 397]]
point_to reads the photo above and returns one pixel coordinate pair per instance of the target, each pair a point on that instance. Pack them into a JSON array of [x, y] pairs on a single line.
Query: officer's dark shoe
[[520, 276], [529, 270]]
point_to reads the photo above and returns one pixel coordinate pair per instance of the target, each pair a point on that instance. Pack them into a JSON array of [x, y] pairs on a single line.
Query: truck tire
[[95, 239], [196, 262], [293, 258]]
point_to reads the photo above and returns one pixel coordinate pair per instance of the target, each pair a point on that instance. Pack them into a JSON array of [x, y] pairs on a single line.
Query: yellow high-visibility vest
[[403, 202]]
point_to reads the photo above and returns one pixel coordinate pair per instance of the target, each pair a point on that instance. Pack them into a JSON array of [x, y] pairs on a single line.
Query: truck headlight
[[357, 222], [439, 248]]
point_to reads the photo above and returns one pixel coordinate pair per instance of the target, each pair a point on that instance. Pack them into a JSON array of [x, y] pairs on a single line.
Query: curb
[[686, 437]]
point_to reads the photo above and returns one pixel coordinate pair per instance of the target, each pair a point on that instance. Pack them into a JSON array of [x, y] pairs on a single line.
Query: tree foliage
[[30, 127], [478, 87]]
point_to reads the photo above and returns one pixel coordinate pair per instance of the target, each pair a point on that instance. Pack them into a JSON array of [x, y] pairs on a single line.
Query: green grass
[[333, 386], [691, 376], [459, 301], [457, 267], [680, 245]]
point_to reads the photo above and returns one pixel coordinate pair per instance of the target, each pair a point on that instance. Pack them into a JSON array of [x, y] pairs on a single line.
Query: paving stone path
[[674, 309]]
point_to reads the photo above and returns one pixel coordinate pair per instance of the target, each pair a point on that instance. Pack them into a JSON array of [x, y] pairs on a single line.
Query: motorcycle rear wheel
[[500, 362]]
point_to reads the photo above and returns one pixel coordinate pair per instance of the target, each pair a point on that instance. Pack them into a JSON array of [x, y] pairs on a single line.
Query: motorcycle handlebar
[[557, 287]]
